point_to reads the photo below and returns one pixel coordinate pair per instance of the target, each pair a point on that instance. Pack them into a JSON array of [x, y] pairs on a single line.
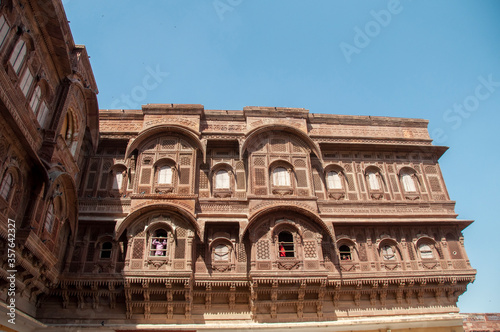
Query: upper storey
[[265, 153]]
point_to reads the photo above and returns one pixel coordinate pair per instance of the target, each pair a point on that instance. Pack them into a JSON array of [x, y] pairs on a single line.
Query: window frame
[[3, 186], [48, 224], [165, 243], [430, 252], [347, 254], [284, 251], [287, 177], [17, 60], [3, 32], [106, 250]]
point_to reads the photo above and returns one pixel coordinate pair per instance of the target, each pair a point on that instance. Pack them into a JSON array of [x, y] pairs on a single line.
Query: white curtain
[[334, 180], [408, 183], [165, 175], [222, 180], [373, 180], [281, 177], [117, 180]]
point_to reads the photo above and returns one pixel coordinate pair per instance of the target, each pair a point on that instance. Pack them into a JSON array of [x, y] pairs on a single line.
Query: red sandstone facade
[[182, 217]]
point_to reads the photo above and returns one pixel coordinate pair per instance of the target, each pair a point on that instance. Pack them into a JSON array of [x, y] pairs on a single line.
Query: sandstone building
[[176, 217]]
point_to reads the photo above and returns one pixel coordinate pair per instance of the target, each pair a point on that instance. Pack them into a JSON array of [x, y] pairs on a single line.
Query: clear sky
[[437, 60]]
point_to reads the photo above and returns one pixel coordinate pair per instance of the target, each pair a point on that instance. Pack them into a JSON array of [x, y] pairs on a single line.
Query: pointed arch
[[255, 133], [192, 136], [164, 207], [304, 213]]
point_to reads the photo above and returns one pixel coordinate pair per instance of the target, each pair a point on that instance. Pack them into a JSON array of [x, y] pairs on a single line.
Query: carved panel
[[263, 249], [138, 248]]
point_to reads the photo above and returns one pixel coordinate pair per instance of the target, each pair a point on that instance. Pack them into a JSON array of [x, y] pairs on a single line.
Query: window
[[6, 186], [42, 114], [345, 253], [373, 181], [49, 218], [334, 181], [18, 55], [26, 81], [117, 180], [221, 253], [159, 243], [106, 250], [408, 182], [281, 177], [388, 253], [286, 245], [222, 180], [35, 99], [425, 251], [4, 30], [165, 175]]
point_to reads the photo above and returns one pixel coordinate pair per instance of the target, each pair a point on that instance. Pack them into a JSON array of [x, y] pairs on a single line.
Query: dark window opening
[[286, 245], [106, 250], [159, 243], [345, 253]]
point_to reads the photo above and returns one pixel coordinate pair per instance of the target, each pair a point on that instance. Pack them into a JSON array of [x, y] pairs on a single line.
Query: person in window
[[282, 250], [159, 247]]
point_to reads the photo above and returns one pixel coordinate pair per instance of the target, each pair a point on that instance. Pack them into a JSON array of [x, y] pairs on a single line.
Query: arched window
[[6, 186], [4, 30], [165, 175], [222, 180], [388, 252], [18, 55], [345, 253], [106, 249], [425, 251], [373, 180], [68, 128], [281, 177], [49, 218], [286, 244], [221, 253], [334, 181], [159, 243], [35, 99], [117, 180], [408, 182]]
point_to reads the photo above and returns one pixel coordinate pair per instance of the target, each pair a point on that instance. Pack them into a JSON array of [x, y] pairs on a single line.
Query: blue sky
[[437, 60]]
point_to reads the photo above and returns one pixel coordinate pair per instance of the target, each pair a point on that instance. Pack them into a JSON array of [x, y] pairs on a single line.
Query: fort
[[176, 217]]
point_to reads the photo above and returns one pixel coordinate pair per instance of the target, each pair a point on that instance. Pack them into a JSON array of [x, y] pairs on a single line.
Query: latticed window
[[425, 251], [334, 181], [281, 177], [159, 243], [286, 244], [373, 181], [165, 175], [106, 249], [408, 182], [6, 186], [222, 180], [18, 55], [221, 253], [49, 218], [345, 253], [388, 253]]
